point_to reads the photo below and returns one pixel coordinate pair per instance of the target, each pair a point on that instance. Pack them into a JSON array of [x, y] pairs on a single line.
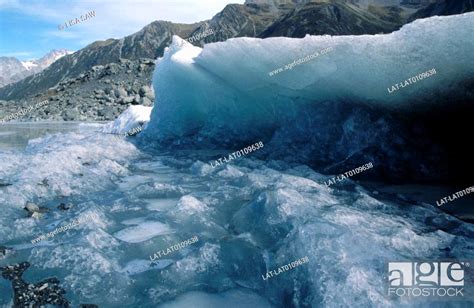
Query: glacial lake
[[15, 135]]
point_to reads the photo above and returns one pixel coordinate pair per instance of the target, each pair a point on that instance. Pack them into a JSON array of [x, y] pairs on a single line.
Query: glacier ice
[[135, 116], [334, 112], [224, 88], [249, 217], [230, 299], [143, 231]]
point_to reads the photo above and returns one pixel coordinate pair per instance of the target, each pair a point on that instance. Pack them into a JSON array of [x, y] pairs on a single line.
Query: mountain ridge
[[13, 69], [97, 53]]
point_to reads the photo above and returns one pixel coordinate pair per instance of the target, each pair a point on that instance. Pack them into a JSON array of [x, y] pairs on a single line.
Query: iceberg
[[330, 107], [225, 88]]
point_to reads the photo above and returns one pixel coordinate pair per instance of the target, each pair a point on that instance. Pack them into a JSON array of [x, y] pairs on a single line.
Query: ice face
[[225, 88], [333, 112]]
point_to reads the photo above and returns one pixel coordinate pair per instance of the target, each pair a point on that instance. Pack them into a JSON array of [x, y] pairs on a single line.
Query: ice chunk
[[230, 172], [142, 232], [225, 96], [191, 205], [133, 221], [82, 266], [63, 164], [161, 204], [133, 181], [139, 266], [230, 299], [130, 119], [206, 260]]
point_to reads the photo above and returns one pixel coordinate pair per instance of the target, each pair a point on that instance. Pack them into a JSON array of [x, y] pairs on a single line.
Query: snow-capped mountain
[[9, 66], [13, 70], [49, 58]]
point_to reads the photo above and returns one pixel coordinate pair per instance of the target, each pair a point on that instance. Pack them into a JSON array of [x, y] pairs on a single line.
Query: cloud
[[117, 18], [17, 54], [38, 9], [60, 34], [113, 18]]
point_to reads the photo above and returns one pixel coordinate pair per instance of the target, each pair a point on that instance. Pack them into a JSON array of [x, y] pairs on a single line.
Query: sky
[[29, 28]]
